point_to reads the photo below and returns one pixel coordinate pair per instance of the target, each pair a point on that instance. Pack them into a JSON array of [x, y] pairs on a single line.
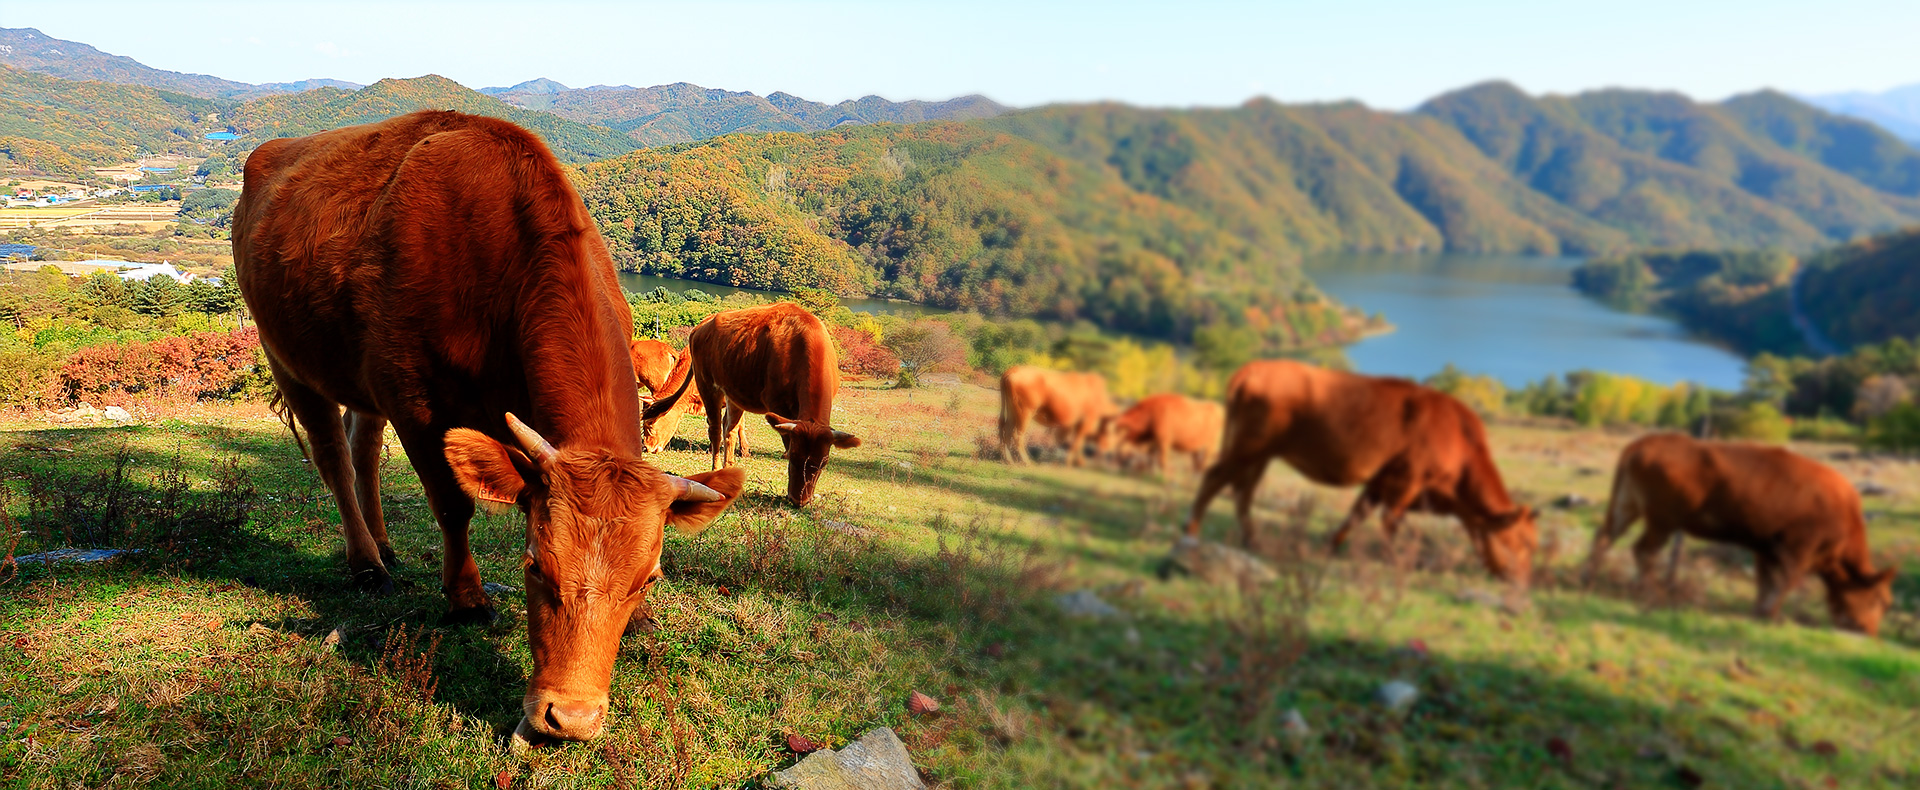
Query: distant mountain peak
[[537, 85], [1897, 109], [29, 49]]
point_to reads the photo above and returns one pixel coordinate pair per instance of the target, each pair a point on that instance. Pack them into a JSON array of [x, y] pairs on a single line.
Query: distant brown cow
[[652, 364], [775, 360], [658, 429], [1069, 403], [438, 271], [1415, 448], [1795, 514], [1167, 423]]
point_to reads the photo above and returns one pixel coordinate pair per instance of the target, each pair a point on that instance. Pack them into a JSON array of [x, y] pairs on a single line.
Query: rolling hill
[[683, 112], [296, 114], [65, 128], [31, 50], [1897, 110]]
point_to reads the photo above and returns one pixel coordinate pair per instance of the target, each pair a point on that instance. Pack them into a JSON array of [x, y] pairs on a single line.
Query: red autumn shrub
[[206, 365], [860, 354]]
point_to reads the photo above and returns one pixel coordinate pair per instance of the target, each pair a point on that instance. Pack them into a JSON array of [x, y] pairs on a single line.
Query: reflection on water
[[648, 282], [1515, 317]]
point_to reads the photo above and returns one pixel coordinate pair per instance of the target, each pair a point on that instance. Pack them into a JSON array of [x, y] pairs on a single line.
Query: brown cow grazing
[[1069, 403], [1795, 514], [653, 363], [658, 428], [1166, 423], [1415, 448], [438, 271], [775, 360]]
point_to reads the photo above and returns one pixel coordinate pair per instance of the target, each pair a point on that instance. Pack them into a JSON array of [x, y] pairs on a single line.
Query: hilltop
[[684, 112], [298, 114], [1897, 110], [66, 128]]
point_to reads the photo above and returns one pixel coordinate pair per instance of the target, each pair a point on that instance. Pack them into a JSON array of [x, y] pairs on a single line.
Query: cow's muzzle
[[566, 719]]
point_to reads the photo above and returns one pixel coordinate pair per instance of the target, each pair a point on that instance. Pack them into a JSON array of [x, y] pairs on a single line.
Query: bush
[[1483, 394], [206, 365], [1897, 429], [861, 354], [925, 346], [1756, 420]]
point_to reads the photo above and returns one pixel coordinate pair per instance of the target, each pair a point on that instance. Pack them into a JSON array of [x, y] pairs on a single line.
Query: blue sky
[[1388, 53]]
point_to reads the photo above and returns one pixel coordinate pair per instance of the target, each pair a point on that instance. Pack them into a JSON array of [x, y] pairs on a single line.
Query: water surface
[[1514, 317]]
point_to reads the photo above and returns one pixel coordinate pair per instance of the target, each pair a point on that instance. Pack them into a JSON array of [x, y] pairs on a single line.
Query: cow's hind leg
[[364, 435], [327, 440], [467, 600], [1245, 485], [1646, 553], [1358, 514], [1216, 478]]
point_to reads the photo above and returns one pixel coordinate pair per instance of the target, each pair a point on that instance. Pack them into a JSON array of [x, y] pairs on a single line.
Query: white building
[[147, 271]]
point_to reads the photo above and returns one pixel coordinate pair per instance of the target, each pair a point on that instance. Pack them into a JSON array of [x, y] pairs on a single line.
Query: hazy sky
[[1387, 53]]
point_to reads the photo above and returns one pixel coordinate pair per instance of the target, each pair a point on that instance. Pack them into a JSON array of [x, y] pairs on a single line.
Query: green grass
[[202, 661]]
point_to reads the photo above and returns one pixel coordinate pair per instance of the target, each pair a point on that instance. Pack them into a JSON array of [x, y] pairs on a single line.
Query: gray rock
[[1397, 695], [844, 528], [116, 414], [496, 588], [1295, 725], [1217, 563], [877, 761], [1475, 595], [1085, 603], [84, 556], [1570, 501], [1870, 488]]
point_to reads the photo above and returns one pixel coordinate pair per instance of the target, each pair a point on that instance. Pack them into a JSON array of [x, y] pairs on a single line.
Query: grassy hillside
[[206, 661], [297, 114], [67, 128], [1865, 292]]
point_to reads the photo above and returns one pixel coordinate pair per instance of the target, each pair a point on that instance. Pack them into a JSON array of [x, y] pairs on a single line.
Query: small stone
[[876, 760], [1217, 563], [1477, 596], [1295, 725], [1133, 636], [1871, 488], [1397, 695], [1085, 603], [1569, 501], [496, 588], [116, 414], [920, 704], [332, 641]]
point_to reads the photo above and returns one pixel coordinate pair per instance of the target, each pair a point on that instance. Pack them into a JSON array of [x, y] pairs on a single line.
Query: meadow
[[230, 650]]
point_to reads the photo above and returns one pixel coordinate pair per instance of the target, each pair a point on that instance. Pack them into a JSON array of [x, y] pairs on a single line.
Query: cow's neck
[[580, 381]]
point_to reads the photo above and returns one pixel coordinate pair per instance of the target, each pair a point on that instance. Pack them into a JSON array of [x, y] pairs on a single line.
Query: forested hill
[[59, 127], [31, 50], [683, 112], [296, 114]]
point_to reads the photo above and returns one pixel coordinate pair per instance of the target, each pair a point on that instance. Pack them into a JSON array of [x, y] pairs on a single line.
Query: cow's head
[[1858, 599], [595, 523], [1507, 544], [808, 443]]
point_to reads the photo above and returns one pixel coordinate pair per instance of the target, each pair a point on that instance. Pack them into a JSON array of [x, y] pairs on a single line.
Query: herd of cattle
[[438, 273]]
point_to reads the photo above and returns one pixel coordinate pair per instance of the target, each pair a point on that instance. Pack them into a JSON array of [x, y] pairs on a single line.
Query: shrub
[[1756, 420], [206, 365], [860, 354], [1483, 394], [925, 346], [1897, 429]]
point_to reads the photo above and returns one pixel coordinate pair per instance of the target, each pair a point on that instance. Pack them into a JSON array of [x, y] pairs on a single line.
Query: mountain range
[[683, 112], [1897, 110], [32, 50]]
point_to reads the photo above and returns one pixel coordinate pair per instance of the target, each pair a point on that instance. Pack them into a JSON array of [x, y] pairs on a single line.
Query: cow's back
[[1746, 494], [427, 261], [772, 359], [1334, 427]]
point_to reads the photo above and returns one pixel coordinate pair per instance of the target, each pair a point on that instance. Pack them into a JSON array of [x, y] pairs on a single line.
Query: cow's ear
[[845, 441], [692, 516], [487, 470]]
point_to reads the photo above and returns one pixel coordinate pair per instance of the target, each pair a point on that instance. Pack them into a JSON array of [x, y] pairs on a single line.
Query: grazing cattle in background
[[1072, 404], [438, 272], [1413, 447], [1795, 514], [659, 426], [1166, 423], [775, 360], [653, 363]]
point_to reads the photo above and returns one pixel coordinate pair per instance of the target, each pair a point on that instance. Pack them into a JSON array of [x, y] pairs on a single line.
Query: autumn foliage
[[205, 365]]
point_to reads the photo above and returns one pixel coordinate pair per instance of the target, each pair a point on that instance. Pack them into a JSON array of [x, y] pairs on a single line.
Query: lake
[[1514, 317], [647, 282]]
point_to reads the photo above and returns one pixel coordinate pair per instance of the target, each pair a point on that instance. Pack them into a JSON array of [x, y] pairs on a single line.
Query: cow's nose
[[577, 721]]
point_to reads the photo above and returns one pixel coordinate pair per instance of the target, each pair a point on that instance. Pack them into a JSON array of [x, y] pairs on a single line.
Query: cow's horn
[[536, 447], [692, 490], [786, 427]]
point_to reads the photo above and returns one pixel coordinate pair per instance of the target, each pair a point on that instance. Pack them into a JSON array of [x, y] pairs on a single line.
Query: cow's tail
[[278, 405], [1623, 509], [1007, 416], [683, 375]]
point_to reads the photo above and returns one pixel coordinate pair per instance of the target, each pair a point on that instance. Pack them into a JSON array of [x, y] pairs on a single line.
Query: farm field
[[83, 216], [208, 659]]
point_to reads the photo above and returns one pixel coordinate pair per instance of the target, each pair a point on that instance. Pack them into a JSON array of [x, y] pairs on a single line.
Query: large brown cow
[[1795, 514], [1072, 404], [1415, 448], [775, 360], [437, 271], [1166, 423]]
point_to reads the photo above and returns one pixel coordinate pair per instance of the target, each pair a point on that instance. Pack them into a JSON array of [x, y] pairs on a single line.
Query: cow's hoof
[[374, 580], [470, 615], [387, 557], [1164, 570]]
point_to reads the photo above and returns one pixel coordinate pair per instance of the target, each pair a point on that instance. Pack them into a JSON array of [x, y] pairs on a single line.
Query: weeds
[[409, 662]]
